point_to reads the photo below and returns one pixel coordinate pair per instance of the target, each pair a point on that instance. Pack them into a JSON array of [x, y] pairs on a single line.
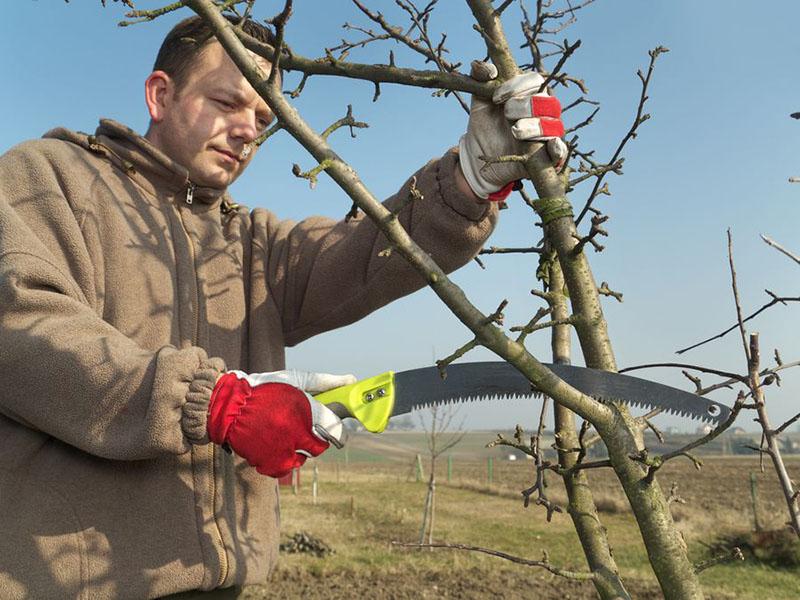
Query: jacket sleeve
[[325, 274], [66, 372]]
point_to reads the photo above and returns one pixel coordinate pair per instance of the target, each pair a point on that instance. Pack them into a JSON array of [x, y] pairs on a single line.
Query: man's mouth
[[229, 156]]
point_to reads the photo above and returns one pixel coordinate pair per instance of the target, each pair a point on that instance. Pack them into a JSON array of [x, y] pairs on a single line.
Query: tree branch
[[735, 554], [733, 376], [637, 121], [545, 564], [775, 300], [780, 248], [369, 72], [496, 250]]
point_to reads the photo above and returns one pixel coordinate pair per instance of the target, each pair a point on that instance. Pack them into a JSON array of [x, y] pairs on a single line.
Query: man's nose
[[244, 127]]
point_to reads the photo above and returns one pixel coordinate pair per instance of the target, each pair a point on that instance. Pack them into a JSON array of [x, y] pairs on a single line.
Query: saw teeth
[[681, 411]]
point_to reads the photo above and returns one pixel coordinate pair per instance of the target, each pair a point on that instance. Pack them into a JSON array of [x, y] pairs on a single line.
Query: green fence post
[[490, 469], [420, 475], [449, 467]]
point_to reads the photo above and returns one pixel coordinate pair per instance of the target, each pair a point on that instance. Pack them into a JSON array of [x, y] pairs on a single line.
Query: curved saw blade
[[418, 388]]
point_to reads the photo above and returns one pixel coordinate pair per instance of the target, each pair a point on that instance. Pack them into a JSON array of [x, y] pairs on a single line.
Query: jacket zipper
[[223, 557]]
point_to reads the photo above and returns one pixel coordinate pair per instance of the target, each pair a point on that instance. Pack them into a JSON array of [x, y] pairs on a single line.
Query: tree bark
[[665, 548], [582, 509], [771, 439]]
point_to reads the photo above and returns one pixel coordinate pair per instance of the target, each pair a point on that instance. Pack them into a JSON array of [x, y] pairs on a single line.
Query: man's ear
[[158, 89]]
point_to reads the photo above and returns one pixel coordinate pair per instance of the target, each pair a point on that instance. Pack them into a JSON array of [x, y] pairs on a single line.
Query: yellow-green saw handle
[[371, 401]]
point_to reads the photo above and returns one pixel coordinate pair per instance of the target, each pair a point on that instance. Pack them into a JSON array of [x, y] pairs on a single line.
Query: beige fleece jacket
[[120, 303]]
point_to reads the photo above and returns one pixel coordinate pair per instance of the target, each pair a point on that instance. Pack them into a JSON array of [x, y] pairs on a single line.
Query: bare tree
[[755, 381], [564, 266], [441, 437]]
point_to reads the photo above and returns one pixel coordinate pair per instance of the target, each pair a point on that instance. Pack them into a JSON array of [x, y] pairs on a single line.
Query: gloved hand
[[271, 421], [535, 117]]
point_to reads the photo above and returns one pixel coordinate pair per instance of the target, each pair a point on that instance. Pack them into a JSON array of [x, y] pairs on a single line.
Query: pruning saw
[[374, 400]]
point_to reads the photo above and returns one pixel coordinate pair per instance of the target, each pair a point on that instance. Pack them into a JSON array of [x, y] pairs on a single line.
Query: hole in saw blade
[[713, 410]]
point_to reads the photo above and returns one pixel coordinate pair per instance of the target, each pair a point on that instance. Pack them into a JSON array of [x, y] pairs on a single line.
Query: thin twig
[[684, 451], [346, 121], [736, 298], [442, 363], [637, 121], [775, 300], [496, 250], [780, 248], [788, 423], [279, 22], [764, 373], [545, 564], [735, 554], [142, 16], [426, 48], [732, 376]]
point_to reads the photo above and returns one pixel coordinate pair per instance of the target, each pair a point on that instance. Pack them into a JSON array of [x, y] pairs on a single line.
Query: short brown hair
[[187, 39]]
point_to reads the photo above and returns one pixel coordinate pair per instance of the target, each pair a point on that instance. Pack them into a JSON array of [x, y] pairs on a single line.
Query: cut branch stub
[[604, 290], [346, 121], [312, 174]]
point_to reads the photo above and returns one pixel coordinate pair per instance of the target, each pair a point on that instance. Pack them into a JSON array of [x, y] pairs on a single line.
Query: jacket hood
[[140, 160]]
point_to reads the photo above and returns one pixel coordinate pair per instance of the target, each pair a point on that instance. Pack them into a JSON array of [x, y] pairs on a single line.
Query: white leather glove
[[532, 116]]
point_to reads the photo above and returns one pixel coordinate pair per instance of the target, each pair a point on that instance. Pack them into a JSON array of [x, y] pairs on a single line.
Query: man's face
[[209, 122]]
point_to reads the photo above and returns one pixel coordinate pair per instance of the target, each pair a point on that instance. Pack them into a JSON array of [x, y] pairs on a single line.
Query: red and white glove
[[271, 421], [533, 116]]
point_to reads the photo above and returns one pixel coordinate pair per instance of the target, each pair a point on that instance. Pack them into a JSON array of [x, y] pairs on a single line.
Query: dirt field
[[717, 496], [362, 508], [501, 583]]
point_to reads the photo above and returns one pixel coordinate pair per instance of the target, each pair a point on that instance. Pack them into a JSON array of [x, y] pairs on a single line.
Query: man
[[144, 319]]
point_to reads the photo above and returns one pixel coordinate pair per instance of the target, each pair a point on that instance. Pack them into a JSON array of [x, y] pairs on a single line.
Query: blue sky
[[716, 153]]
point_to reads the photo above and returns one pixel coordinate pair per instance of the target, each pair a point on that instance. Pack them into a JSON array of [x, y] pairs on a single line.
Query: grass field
[[369, 501]]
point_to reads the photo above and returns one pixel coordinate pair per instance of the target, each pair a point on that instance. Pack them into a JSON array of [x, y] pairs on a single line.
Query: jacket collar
[[143, 162]]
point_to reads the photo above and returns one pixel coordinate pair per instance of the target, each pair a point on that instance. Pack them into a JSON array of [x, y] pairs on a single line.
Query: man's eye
[[263, 124], [224, 103]]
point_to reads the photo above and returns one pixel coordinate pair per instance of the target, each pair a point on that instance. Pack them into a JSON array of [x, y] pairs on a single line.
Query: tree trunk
[[771, 438], [665, 548], [425, 515], [432, 519], [582, 508]]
